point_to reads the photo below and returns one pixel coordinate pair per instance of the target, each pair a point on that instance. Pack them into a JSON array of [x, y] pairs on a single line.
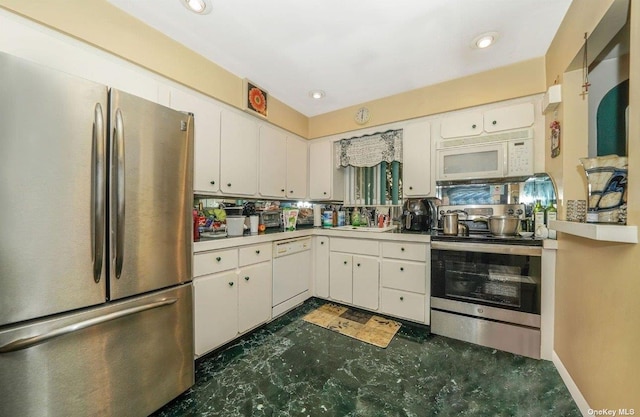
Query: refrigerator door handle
[[98, 170], [28, 342], [119, 192]]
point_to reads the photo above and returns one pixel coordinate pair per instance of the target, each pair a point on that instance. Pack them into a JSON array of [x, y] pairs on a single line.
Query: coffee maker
[[416, 215]]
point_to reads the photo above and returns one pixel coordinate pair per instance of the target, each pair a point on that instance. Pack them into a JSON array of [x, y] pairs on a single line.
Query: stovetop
[[437, 235]]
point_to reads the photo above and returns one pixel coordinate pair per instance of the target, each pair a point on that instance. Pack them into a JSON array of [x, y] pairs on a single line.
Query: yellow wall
[[597, 311], [517, 80], [107, 27]]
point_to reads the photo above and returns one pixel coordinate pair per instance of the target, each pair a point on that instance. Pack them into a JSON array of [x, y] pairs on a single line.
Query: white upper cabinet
[[416, 159], [461, 125], [239, 154], [297, 167], [464, 124], [206, 155], [273, 162], [324, 181], [510, 117]]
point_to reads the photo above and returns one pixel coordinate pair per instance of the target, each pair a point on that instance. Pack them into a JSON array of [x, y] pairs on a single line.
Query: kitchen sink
[[364, 229]]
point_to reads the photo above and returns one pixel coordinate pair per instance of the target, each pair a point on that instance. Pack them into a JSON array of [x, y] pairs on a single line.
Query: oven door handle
[[488, 248]]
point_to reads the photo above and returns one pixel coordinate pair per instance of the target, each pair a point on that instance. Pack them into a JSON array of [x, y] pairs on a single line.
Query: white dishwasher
[[291, 273]]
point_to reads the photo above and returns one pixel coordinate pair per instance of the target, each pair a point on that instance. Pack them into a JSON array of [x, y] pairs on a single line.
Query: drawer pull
[[218, 259], [473, 126], [401, 249], [402, 268], [345, 262], [322, 243], [401, 298], [246, 278], [258, 252], [358, 264], [212, 182], [231, 283], [282, 190]]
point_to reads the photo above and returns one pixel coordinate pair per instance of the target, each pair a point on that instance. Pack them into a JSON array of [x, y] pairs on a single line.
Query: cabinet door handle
[[473, 126], [290, 191], [402, 268], [218, 259], [495, 122], [212, 182], [228, 184], [358, 264], [324, 192], [345, 262], [322, 243], [401, 298], [258, 252], [282, 190], [246, 278], [401, 249], [411, 187], [231, 283]]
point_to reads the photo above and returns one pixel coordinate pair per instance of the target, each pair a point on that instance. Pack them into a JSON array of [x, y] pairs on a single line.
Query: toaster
[[271, 218]]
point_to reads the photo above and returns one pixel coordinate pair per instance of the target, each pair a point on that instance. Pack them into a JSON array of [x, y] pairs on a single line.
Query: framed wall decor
[[255, 99]]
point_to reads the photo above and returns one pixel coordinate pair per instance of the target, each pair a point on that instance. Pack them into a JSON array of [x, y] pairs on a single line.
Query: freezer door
[[52, 189], [151, 196], [123, 359]]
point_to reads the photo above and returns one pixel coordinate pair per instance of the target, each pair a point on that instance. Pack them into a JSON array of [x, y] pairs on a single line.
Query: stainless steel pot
[[450, 223], [501, 225]]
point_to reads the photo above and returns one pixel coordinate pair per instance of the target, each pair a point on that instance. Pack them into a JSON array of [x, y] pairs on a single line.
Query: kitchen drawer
[[403, 304], [404, 275], [404, 250], [354, 246], [215, 261], [255, 254]]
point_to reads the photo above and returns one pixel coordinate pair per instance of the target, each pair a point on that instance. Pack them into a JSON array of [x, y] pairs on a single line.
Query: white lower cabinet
[[230, 297], [341, 277], [254, 296], [321, 266], [405, 280], [403, 304], [215, 310], [365, 282], [354, 276]]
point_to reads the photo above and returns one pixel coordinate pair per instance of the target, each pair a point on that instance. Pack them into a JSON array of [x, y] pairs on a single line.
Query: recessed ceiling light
[[484, 40], [197, 6], [317, 94]]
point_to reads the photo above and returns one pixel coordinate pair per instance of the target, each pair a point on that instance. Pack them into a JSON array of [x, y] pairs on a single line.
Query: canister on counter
[[327, 219], [341, 218]]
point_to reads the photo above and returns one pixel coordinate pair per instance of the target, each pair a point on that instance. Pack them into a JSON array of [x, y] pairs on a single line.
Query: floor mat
[[357, 324]]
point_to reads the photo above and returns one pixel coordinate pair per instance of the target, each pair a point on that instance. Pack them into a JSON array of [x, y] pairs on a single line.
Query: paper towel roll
[[317, 215]]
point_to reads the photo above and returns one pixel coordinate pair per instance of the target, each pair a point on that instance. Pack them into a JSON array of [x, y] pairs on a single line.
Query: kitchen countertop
[[271, 235]]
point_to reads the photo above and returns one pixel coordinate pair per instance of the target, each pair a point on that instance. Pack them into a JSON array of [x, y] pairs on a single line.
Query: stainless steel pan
[[501, 225]]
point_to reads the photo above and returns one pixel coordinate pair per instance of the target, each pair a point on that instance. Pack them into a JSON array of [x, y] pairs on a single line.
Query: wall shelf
[[597, 231]]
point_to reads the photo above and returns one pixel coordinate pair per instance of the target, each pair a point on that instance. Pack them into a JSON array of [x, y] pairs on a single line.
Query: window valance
[[370, 150]]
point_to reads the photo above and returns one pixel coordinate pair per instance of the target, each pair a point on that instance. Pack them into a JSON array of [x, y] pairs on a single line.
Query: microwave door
[[473, 162]]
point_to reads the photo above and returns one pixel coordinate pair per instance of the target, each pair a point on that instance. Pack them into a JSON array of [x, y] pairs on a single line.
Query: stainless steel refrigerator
[[95, 247]]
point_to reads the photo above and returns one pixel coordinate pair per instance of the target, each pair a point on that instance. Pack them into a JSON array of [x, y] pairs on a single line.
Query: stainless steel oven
[[486, 290]]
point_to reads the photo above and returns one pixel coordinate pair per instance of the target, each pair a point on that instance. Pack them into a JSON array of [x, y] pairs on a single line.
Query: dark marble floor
[[293, 368]]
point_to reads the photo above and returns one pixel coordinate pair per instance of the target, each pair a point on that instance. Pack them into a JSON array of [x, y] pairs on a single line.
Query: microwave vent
[[495, 137]]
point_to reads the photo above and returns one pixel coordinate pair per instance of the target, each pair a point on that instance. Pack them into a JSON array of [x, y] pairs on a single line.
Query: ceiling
[[355, 51]]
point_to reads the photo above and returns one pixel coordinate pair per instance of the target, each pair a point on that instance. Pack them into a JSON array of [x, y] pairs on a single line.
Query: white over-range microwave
[[499, 155]]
